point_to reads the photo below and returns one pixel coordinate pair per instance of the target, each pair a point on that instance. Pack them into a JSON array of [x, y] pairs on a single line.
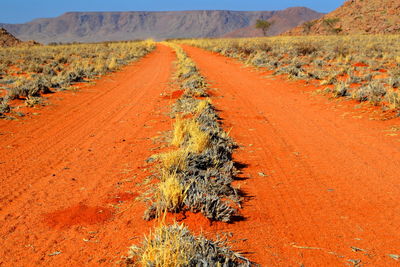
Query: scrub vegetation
[[195, 175], [363, 68], [28, 73]]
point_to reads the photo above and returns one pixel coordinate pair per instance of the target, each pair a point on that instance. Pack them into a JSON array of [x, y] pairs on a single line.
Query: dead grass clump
[[184, 106], [194, 86], [304, 49], [4, 107], [167, 246], [341, 90], [373, 92], [199, 140], [113, 65], [202, 105], [188, 133], [32, 101], [393, 97], [176, 246], [175, 160], [180, 132], [169, 196], [171, 192]]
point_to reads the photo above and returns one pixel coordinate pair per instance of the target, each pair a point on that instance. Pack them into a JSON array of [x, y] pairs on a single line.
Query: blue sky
[[19, 11]]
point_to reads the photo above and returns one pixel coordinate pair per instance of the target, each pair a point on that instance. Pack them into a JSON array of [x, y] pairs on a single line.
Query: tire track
[[86, 141], [331, 181]]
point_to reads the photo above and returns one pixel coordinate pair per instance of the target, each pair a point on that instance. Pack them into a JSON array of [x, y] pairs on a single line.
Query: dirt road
[[62, 171], [324, 185], [322, 181]]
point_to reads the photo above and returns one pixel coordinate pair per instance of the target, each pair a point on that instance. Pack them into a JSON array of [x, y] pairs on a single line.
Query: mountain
[[282, 21], [356, 17], [7, 39], [113, 26]]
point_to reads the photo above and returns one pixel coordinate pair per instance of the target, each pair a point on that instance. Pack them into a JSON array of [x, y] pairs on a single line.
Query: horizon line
[[159, 11]]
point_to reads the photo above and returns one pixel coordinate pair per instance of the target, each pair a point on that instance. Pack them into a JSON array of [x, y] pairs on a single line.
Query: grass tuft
[[170, 192], [176, 246]]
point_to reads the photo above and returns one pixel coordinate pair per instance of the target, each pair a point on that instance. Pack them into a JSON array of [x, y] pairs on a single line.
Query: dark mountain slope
[[283, 21], [112, 26]]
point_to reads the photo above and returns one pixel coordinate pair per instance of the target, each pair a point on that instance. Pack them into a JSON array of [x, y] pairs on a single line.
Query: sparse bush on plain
[[304, 49], [264, 25], [4, 107], [39, 70], [371, 63]]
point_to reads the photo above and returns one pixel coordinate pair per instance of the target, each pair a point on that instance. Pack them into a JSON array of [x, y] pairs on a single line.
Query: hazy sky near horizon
[[20, 11]]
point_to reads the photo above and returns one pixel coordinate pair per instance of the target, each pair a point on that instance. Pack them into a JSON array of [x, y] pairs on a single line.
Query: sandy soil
[[68, 175], [323, 179]]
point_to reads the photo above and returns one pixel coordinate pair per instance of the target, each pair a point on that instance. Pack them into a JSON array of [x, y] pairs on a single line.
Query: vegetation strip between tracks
[[195, 176]]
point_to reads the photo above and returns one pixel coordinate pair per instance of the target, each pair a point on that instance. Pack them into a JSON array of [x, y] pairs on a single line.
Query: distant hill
[[356, 17], [115, 26], [7, 39], [283, 21]]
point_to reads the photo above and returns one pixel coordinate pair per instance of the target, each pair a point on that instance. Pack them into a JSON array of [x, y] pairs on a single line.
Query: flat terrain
[[332, 180], [62, 170], [322, 180]]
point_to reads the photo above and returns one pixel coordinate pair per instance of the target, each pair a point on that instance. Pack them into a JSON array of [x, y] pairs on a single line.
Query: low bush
[[304, 49], [4, 107]]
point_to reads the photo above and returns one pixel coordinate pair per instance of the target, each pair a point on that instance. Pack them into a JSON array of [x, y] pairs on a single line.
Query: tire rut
[[331, 181]]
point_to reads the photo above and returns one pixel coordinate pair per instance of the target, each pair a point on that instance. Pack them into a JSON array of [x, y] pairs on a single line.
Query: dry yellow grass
[[170, 191], [113, 64], [202, 105], [179, 132], [199, 140], [188, 132], [167, 246], [174, 160]]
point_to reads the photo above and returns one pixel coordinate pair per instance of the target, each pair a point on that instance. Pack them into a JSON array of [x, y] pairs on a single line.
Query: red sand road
[[63, 172], [333, 181], [70, 176]]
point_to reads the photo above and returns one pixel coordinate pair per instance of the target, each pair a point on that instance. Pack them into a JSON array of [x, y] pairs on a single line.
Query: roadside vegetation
[[28, 73], [176, 246], [195, 175], [363, 68]]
